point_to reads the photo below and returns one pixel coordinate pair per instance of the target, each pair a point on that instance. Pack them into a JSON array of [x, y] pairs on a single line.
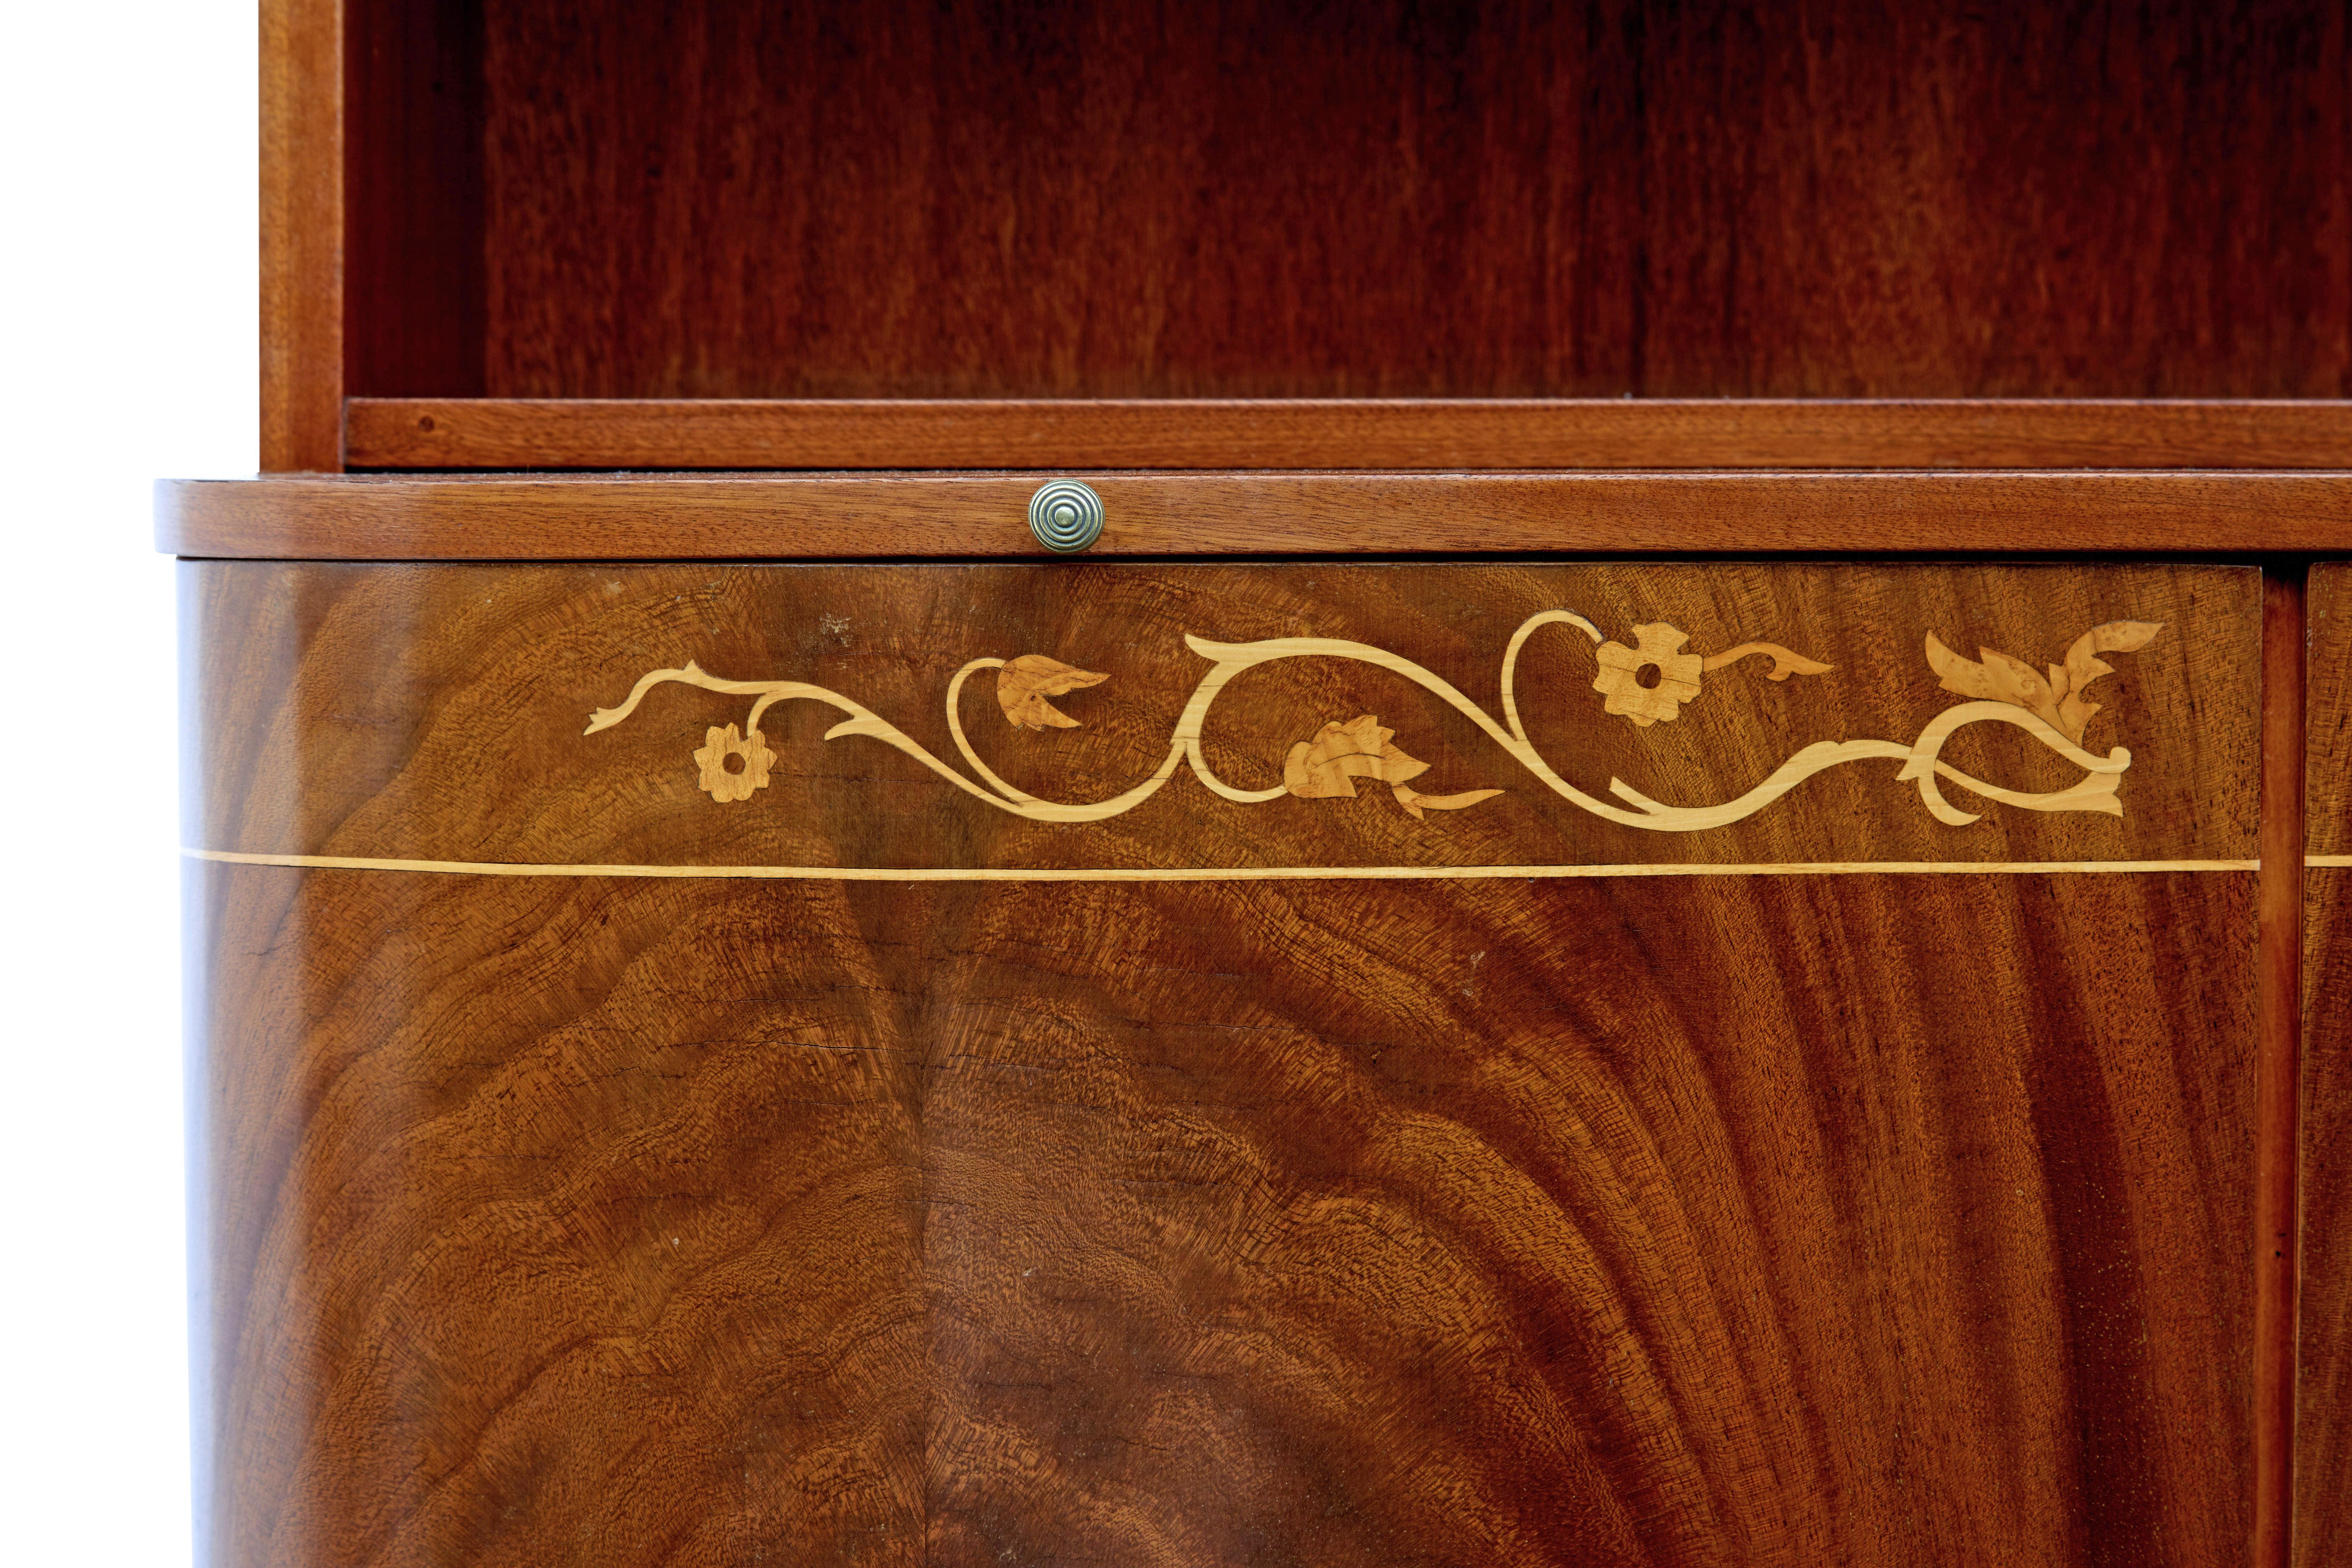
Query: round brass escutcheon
[[1066, 516]]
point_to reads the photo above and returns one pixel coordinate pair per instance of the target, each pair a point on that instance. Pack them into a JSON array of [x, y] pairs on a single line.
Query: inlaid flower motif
[[1662, 696], [720, 777], [1024, 683]]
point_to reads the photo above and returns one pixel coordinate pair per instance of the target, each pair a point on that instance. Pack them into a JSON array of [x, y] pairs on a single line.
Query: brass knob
[[1066, 516]]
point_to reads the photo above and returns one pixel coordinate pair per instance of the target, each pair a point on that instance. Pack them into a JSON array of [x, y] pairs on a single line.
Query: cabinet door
[[2322, 1530], [1244, 1063]]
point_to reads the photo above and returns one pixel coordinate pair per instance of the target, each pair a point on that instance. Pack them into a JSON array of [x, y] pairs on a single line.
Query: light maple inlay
[[1218, 873], [2007, 692]]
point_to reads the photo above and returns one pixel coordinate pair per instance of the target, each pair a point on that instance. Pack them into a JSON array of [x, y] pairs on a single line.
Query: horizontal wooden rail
[[838, 516], [1623, 433]]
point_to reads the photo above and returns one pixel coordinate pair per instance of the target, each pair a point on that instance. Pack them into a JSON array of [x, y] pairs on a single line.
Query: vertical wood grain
[[412, 288], [1261, 198], [302, 144], [2277, 1063], [2323, 1433]]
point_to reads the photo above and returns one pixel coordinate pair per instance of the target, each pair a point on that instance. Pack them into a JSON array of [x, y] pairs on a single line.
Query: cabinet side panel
[[301, 235]]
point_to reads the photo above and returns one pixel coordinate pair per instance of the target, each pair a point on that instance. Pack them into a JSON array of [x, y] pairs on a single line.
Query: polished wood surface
[[302, 184], [1713, 433], [1267, 199], [719, 517], [569, 703], [2323, 1525], [1201, 1225], [1859, 1218]]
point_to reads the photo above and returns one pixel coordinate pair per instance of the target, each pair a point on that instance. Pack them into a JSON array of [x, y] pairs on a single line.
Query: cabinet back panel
[[1274, 199], [415, 267]]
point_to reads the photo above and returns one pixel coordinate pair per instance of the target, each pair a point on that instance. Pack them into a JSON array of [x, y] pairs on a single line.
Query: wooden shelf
[[1602, 433], [854, 516]]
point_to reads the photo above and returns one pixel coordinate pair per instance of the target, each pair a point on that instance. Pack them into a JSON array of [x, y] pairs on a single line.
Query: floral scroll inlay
[[2051, 709], [1340, 754]]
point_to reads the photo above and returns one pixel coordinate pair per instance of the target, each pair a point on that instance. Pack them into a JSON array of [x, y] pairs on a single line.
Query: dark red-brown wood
[[715, 199], [413, 286]]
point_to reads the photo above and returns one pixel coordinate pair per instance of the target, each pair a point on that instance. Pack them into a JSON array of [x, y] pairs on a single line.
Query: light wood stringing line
[[1218, 873]]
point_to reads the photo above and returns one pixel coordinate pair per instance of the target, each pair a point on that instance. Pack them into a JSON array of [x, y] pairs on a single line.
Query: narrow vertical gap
[[2277, 1062]]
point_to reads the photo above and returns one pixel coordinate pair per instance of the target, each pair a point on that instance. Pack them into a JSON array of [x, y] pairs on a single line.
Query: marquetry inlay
[[2053, 710], [1110, 721]]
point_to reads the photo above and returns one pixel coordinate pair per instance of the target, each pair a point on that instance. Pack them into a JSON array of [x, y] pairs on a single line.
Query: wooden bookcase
[[1522, 1082]]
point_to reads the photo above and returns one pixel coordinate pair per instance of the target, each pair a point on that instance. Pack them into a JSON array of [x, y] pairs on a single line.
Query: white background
[[126, 348]]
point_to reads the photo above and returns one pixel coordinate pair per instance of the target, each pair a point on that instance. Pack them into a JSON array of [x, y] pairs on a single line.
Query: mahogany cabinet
[[1667, 891]]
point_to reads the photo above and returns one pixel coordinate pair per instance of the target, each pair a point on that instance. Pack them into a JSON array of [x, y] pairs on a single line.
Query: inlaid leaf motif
[[1786, 662], [1963, 676], [1332, 762], [1024, 683], [2082, 667], [2017, 681], [2058, 697], [1340, 754]]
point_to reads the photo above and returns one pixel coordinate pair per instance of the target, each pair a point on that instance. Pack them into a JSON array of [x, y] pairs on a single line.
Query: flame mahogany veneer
[[1875, 1218]]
